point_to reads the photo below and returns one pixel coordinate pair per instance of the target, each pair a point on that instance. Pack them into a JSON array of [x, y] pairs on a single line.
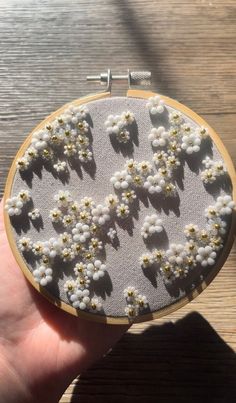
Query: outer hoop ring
[[168, 309]]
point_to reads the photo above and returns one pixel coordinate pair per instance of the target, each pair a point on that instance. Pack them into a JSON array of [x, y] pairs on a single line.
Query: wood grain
[[46, 50]]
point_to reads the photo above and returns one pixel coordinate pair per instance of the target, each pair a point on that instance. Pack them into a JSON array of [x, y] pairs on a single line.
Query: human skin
[[42, 348]]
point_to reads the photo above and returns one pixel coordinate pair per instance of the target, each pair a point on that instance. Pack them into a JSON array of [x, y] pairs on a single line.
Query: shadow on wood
[[185, 361]]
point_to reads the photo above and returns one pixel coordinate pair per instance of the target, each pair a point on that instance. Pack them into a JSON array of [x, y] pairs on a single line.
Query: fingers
[[2, 227]]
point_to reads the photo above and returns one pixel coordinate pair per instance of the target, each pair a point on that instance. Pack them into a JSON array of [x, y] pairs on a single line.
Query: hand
[[42, 349]]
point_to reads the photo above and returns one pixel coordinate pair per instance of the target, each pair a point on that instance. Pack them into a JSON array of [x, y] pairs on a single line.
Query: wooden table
[[47, 48]]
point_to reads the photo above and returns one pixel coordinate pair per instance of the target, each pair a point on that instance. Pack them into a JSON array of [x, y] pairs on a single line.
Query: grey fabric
[[122, 262]]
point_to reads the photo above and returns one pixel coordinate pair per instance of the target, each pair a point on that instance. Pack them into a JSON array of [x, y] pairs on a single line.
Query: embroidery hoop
[[107, 79]]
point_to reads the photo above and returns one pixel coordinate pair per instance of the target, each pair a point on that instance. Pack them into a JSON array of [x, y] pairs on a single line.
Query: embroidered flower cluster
[[135, 302], [152, 224], [213, 170], [15, 204], [201, 245], [117, 124], [141, 175], [67, 133]]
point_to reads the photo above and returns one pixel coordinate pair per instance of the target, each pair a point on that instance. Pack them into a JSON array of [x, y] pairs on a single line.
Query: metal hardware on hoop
[[133, 78]]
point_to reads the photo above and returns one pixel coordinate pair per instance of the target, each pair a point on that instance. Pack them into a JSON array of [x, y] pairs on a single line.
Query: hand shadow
[[186, 361]]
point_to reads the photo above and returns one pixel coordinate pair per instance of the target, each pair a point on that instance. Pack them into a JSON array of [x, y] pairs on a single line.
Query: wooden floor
[[46, 50]]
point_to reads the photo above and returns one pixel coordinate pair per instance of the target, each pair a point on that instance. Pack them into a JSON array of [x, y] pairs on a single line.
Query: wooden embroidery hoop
[[168, 309]]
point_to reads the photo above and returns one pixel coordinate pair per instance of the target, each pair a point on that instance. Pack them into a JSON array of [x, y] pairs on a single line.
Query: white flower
[[158, 255], [123, 136], [217, 226], [84, 216], [83, 281], [219, 168], [127, 117], [112, 201], [176, 118], [167, 272], [202, 132], [211, 212], [121, 180], [155, 105], [95, 245], [81, 232], [111, 233], [208, 175], [100, 214], [204, 236], [51, 247], [224, 205], [43, 275], [82, 142], [85, 155], [180, 272], [39, 139], [77, 248], [78, 113], [174, 147], [67, 134], [146, 260], [191, 246], [70, 149], [130, 293], [83, 127], [122, 210], [68, 220], [67, 254], [144, 168], [191, 143], [96, 270], [141, 301], [113, 124], [24, 196], [169, 189], [95, 305], [216, 243], [138, 180], [206, 256], [31, 153], [37, 248], [160, 158], [65, 239], [25, 244], [176, 253], [152, 224], [172, 162], [34, 214], [128, 196], [131, 311], [55, 215], [131, 166], [158, 136], [191, 230], [60, 166], [63, 198], [80, 269], [87, 203], [22, 163], [174, 133], [154, 184], [69, 286], [13, 206], [165, 172], [208, 162], [186, 129], [80, 299]]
